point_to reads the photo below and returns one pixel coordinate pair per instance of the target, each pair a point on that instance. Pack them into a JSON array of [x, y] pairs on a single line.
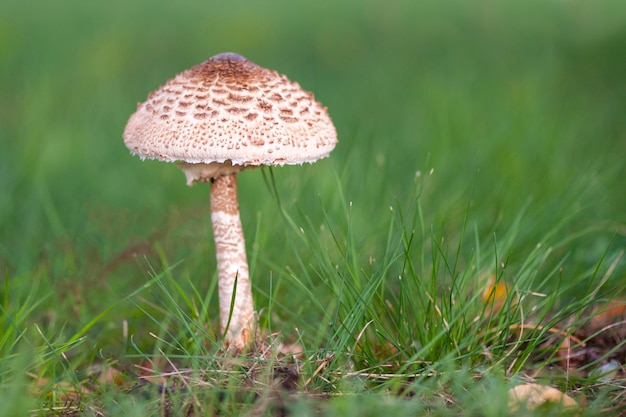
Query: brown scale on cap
[[226, 109]]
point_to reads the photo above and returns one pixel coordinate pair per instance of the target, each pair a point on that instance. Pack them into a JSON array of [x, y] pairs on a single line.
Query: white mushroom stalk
[[214, 120], [236, 313]]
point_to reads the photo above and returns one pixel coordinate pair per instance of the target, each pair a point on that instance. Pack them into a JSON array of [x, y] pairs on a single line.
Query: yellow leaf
[[496, 293], [533, 396]]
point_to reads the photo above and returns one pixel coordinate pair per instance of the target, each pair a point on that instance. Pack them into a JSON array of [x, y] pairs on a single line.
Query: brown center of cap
[[229, 67]]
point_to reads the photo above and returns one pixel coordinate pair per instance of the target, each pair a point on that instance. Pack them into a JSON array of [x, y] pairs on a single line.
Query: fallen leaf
[[571, 354], [533, 396], [111, 376], [610, 318], [62, 391], [606, 372], [496, 293]]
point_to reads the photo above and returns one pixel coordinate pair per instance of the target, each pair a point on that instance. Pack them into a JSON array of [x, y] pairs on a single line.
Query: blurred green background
[[511, 104]]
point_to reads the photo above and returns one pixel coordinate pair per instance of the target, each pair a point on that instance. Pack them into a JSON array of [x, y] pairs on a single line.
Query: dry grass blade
[[322, 365]]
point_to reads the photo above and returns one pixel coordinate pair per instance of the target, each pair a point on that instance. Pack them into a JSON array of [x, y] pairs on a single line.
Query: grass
[[477, 140]]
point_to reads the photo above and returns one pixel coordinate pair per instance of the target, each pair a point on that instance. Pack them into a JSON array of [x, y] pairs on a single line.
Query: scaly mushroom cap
[[229, 112]]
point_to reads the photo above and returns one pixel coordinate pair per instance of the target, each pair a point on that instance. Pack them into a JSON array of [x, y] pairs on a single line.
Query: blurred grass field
[[474, 137]]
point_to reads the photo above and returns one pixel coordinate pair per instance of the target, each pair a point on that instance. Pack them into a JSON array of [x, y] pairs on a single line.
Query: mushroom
[[214, 120]]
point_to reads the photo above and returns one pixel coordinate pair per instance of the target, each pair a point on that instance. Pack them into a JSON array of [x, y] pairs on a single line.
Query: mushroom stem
[[232, 264]]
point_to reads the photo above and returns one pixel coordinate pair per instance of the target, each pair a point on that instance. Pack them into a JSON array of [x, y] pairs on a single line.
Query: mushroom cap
[[229, 112]]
